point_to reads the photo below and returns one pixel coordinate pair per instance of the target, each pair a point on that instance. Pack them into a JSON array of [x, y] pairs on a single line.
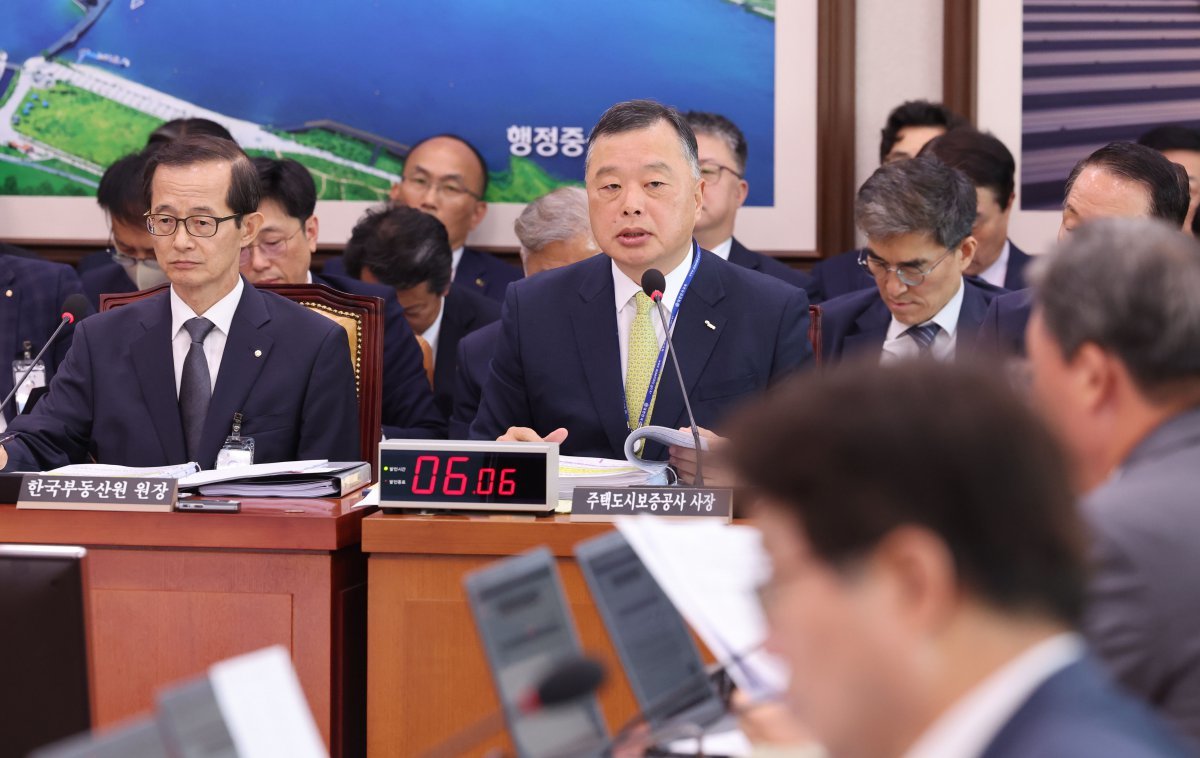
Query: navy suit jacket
[[558, 363], [20, 252], [105, 279], [841, 274], [94, 260], [856, 324], [1079, 713], [285, 368], [739, 255], [475, 353], [408, 409], [466, 311], [1002, 332], [32, 292], [477, 271]]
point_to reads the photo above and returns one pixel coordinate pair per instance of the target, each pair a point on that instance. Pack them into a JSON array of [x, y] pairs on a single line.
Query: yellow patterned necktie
[[643, 353]]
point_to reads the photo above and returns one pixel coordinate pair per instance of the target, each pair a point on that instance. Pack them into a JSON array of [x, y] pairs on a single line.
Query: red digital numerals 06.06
[[488, 481]]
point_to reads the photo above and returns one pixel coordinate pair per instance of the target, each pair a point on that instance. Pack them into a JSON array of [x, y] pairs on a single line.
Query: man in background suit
[[32, 293], [447, 177], [576, 361], [1120, 180], [158, 381], [917, 216], [722, 149], [1114, 349], [408, 251], [909, 127], [554, 231], [991, 168], [132, 265], [928, 573], [282, 253]]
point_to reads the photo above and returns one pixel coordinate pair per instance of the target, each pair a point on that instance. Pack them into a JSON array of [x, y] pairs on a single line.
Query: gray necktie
[[195, 386], [924, 335]]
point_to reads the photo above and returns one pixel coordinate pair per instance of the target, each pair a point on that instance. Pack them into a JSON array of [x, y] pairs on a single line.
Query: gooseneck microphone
[[74, 308], [572, 678], [653, 284]]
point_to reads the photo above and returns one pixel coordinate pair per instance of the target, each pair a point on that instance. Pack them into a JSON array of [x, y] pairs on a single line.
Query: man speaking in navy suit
[[159, 381], [582, 359]]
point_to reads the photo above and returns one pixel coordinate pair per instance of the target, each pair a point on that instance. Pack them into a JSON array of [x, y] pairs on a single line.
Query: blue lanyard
[[662, 351]]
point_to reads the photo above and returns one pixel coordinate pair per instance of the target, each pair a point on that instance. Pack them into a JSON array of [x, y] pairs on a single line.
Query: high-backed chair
[[362, 318], [814, 332]]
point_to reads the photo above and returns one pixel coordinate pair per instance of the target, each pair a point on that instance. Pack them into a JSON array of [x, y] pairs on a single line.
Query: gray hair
[[557, 216], [643, 114], [1129, 286], [917, 196]]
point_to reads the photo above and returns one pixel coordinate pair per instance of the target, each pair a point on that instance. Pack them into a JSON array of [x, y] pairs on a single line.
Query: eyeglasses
[[448, 189], [162, 225], [272, 249], [907, 273], [128, 261], [711, 172]]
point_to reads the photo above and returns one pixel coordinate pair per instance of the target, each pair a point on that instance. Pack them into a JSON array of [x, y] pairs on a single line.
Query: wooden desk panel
[[172, 593], [427, 676]]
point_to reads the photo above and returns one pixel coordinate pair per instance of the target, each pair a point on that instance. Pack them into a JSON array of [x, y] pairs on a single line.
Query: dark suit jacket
[[1079, 713], [285, 368], [558, 363], [841, 274], [465, 311], [32, 292], [856, 324], [475, 353], [1142, 616], [739, 255], [105, 279], [479, 272], [408, 409], [1002, 332], [20, 252], [94, 260]]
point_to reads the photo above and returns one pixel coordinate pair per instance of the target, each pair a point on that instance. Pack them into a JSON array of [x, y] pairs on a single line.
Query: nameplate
[[56, 492], [603, 503]]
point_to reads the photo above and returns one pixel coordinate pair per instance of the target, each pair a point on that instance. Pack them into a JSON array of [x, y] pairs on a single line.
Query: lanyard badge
[[237, 450]]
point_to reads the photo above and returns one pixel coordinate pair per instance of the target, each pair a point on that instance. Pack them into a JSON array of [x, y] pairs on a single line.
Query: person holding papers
[[581, 360], [928, 574], [158, 382]]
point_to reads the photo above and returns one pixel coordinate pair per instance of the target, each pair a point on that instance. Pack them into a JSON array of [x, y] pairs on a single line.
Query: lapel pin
[[480, 283], [257, 353], [8, 293], [710, 325]]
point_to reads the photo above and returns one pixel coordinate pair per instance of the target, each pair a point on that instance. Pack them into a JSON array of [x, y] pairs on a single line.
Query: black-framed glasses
[[909, 274], [272, 249], [446, 188], [164, 225], [710, 172]]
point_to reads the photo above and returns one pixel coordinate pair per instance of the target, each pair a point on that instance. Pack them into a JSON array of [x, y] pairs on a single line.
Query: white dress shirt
[[969, 726], [455, 257], [625, 289], [220, 314], [996, 273], [899, 346], [722, 250], [430, 335]]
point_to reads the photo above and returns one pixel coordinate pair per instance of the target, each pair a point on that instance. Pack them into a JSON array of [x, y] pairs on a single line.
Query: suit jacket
[[856, 324], [105, 279], [477, 271], [739, 255], [1014, 274], [31, 309], [408, 409], [1079, 713], [94, 260], [1002, 332], [20, 252], [558, 363], [285, 368], [465, 311], [1142, 616], [475, 352]]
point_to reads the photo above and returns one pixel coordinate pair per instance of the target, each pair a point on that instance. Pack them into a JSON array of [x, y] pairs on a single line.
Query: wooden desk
[[427, 676], [172, 593]]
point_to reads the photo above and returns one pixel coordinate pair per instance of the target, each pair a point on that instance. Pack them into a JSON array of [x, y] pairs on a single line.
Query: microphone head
[[75, 307], [653, 283], [569, 679]]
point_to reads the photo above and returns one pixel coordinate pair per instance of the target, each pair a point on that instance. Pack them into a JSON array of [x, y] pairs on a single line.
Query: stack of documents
[[574, 471], [178, 471], [315, 478]]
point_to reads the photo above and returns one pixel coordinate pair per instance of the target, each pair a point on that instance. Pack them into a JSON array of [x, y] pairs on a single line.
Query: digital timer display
[[466, 477]]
